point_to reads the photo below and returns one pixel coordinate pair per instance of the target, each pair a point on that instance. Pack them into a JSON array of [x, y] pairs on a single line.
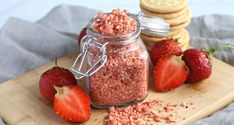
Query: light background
[[32, 10]]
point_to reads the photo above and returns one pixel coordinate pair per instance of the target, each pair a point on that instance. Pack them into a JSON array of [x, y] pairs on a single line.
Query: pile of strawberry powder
[[147, 113], [115, 23]]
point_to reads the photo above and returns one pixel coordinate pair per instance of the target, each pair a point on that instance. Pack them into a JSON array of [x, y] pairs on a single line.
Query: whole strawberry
[[55, 76], [82, 34], [198, 63], [72, 104], [163, 48]]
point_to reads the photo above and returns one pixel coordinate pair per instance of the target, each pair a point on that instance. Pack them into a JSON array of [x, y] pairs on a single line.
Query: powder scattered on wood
[[145, 113]]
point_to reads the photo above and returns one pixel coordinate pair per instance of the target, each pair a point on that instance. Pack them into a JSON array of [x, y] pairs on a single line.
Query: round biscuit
[[166, 15], [163, 6], [157, 39], [181, 39], [185, 47], [174, 32], [180, 19], [180, 26], [185, 41]]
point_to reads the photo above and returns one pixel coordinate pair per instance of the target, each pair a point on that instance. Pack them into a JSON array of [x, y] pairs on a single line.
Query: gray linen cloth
[[27, 45]]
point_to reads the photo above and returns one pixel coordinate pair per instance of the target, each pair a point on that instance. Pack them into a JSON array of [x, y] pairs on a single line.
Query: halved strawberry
[[56, 76], [72, 104], [169, 73]]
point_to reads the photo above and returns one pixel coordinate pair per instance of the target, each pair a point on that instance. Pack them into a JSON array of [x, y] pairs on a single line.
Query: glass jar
[[117, 67]]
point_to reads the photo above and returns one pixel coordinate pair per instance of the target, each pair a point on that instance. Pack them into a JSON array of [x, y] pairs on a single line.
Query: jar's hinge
[[79, 67]]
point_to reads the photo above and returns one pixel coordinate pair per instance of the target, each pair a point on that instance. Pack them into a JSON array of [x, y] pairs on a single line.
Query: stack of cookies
[[174, 12]]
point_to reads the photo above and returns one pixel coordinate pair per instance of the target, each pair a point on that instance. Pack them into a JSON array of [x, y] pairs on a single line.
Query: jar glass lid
[[154, 26]]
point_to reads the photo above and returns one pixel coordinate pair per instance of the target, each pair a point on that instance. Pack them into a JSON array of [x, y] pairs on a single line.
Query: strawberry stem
[[213, 51], [59, 90]]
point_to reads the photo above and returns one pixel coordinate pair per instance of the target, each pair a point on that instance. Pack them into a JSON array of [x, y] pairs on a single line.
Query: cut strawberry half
[[72, 104], [169, 73]]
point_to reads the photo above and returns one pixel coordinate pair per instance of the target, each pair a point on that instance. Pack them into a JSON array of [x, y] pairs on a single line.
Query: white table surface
[[32, 10]]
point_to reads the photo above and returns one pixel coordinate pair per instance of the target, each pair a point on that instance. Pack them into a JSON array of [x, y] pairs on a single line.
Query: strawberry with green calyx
[[72, 104], [198, 63], [55, 76]]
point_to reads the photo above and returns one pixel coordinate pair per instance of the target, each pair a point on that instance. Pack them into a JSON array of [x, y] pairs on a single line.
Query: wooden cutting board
[[21, 103]]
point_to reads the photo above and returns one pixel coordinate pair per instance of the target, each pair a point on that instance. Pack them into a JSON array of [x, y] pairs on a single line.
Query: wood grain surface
[[21, 103]]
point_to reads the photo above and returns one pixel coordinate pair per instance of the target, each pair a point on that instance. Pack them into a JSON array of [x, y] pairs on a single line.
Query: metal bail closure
[[80, 68], [153, 25]]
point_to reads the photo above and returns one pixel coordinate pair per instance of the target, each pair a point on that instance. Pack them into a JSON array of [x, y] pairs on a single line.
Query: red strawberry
[[164, 48], [198, 63], [82, 34], [56, 76], [169, 73], [72, 104]]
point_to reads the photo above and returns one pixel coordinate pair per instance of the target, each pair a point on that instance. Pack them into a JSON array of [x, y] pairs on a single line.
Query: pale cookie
[[185, 47], [180, 26], [181, 19], [166, 15], [184, 42], [148, 42], [149, 46], [154, 39], [174, 32], [184, 36], [151, 39], [163, 6], [179, 35], [183, 39]]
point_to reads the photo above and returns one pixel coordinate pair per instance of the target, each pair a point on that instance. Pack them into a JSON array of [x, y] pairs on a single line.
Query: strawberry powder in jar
[[117, 61]]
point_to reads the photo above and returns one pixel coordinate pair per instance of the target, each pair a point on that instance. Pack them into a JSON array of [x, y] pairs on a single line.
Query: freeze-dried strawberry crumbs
[[117, 22], [124, 77], [144, 113]]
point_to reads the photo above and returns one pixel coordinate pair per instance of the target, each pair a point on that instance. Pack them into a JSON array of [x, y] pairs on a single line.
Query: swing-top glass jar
[[117, 71]]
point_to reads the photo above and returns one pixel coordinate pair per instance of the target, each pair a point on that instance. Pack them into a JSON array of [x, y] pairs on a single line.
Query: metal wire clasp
[[79, 65]]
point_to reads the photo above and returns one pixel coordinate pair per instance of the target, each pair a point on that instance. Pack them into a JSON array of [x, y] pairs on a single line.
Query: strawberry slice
[[169, 73], [72, 104]]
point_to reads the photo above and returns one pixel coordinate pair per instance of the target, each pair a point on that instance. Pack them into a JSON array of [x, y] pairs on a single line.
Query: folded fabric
[[26, 45], [1, 122], [211, 31]]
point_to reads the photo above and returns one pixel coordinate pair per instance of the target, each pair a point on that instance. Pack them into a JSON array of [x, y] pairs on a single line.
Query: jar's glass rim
[[154, 26], [128, 37]]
